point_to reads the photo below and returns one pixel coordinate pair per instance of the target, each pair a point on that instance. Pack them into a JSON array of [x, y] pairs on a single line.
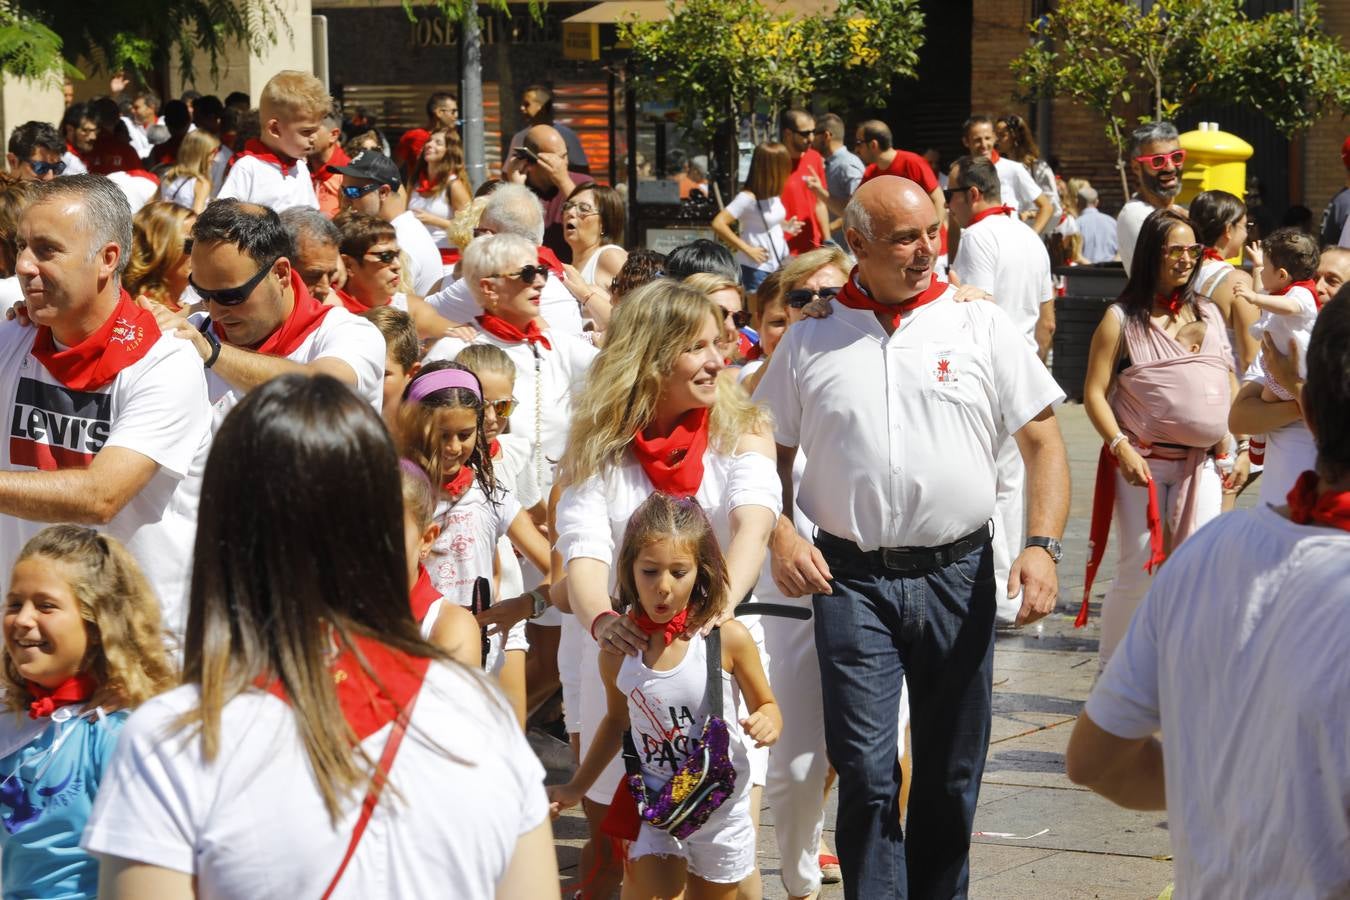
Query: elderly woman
[[1161, 410], [593, 227], [656, 416]]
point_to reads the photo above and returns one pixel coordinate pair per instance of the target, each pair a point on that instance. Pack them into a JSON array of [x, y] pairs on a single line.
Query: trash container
[[1088, 292]]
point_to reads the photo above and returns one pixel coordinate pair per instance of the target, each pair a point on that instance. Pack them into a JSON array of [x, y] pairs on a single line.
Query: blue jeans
[[935, 629], [751, 279]]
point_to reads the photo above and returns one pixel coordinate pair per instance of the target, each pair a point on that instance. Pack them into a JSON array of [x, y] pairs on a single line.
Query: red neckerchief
[[1307, 285], [456, 487], [324, 172], [1173, 302], [494, 448], [504, 330], [260, 151], [991, 211], [674, 463], [668, 630], [121, 341], [351, 304], [548, 258], [304, 318], [1305, 505], [75, 689], [1211, 253], [854, 296], [755, 352], [367, 706], [422, 595], [426, 186], [993, 155], [1103, 503]]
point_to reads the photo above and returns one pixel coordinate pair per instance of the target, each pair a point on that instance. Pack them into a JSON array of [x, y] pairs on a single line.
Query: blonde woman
[[159, 265], [188, 183], [730, 299], [654, 415]]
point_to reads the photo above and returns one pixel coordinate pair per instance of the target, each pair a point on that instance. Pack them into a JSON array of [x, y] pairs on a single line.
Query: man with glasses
[[797, 128], [261, 321], [1155, 159], [371, 184], [843, 171], [106, 422], [80, 131], [540, 163], [1000, 254], [35, 150], [442, 115]]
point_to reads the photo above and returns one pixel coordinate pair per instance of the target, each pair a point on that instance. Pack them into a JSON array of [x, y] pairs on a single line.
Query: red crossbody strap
[[377, 782]]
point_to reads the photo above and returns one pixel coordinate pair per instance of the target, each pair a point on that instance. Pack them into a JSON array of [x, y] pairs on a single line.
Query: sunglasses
[[356, 193], [1177, 251], [950, 192], [526, 274], [384, 256], [740, 318], [503, 408], [40, 169], [806, 134], [234, 296], [802, 296], [1159, 161]]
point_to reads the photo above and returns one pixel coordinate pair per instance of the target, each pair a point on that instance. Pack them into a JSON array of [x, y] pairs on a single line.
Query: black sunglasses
[[802, 296], [949, 192], [42, 168], [526, 274], [234, 296], [384, 256], [800, 133], [740, 318]]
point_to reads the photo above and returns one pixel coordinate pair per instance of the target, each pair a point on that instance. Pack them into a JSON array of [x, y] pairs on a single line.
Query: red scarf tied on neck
[[504, 330], [260, 151], [75, 689], [1307, 506], [422, 595], [1211, 253], [674, 463], [669, 631], [855, 296], [1308, 285], [121, 341], [305, 317], [456, 487], [1172, 302], [991, 211]]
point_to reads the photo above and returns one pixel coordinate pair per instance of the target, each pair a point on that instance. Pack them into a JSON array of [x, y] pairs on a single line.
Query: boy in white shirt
[[1286, 292], [271, 171]]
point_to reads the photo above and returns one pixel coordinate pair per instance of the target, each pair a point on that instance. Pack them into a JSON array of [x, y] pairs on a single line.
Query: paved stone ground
[[1066, 842]]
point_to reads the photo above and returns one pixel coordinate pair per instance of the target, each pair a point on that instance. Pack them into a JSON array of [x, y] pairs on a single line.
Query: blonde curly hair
[[127, 655], [656, 323]]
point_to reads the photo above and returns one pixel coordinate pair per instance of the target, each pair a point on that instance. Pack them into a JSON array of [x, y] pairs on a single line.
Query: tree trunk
[[471, 97]]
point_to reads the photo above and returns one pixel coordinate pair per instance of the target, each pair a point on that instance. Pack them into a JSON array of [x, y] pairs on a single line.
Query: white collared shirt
[[254, 181], [1005, 257], [900, 432], [556, 304]]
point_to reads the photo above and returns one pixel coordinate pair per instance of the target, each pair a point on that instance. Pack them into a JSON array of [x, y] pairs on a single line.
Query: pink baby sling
[[1171, 404]]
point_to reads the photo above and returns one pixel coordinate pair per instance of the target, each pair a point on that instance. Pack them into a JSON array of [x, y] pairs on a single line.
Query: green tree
[[1118, 60], [29, 49]]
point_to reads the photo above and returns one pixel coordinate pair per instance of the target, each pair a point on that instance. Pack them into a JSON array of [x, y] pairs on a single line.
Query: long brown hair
[[662, 517], [158, 230], [299, 550], [770, 166], [438, 173], [1137, 298], [127, 656]]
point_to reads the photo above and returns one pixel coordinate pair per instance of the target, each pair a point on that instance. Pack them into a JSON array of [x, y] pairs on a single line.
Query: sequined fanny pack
[[705, 779]]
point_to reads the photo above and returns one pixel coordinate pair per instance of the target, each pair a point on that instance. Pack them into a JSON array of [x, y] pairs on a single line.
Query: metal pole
[[471, 97], [613, 129]]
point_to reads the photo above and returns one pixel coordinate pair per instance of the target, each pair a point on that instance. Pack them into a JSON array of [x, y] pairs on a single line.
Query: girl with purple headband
[[439, 427]]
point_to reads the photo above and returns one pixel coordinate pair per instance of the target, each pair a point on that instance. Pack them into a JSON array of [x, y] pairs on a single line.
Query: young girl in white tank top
[[671, 577]]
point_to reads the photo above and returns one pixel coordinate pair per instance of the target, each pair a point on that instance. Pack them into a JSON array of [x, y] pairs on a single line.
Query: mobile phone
[[526, 154]]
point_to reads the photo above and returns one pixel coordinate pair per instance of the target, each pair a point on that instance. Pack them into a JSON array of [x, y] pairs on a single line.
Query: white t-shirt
[[342, 336], [1238, 654], [1005, 257], [463, 788], [414, 240], [156, 407], [1290, 451], [543, 412], [438, 204], [1016, 185], [138, 189], [181, 190], [556, 304], [761, 225], [74, 165], [1296, 327], [1128, 223], [901, 432], [259, 182]]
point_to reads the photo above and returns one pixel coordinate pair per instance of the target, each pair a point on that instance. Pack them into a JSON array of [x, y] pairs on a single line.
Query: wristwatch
[[209, 333], [540, 603], [1049, 545]]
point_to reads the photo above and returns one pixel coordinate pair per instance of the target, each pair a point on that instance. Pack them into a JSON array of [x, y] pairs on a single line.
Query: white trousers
[[1010, 525], [1132, 539]]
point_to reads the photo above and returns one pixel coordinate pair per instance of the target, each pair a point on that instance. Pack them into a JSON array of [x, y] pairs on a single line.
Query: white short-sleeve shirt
[[1238, 655], [1128, 222], [761, 225], [556, 305], [255, 181], [463, 788], [1290, 451], [414, 240], [901, 432], [1017, 186], [342, 336], [156, 407], [1005, 257]]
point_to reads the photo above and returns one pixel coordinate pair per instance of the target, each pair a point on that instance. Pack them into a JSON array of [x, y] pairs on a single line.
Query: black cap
[[372, 165]]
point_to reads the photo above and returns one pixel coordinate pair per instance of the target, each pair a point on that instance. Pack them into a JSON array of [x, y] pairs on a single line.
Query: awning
[[611, 12]]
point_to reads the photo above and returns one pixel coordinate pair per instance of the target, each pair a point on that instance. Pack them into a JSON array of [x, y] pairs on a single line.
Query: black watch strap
[[209, 333], [1050, 545]]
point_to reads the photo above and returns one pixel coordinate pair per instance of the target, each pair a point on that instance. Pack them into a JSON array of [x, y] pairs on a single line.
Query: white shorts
[[569, 670], [721, 852]]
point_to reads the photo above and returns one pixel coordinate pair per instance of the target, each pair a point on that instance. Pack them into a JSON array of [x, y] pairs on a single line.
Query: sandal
[[829, 869]]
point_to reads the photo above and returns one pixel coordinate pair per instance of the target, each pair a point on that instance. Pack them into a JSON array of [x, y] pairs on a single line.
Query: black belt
[[909, 560]]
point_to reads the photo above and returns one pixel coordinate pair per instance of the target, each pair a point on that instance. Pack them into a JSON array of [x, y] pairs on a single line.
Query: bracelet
[[1115, 441], [596, 621], [1244, 445]]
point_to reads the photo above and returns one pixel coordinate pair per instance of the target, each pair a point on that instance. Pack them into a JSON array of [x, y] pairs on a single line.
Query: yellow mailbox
[[1215, 161]]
